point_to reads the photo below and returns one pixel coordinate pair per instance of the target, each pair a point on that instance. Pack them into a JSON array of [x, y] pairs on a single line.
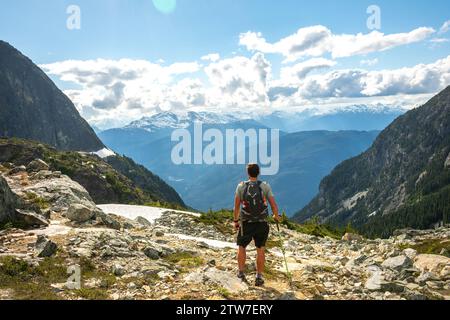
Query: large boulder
[[61, 192], [431, 262], [397, 263], [80, 213], [29, 218], [216, 277], [8, 202]]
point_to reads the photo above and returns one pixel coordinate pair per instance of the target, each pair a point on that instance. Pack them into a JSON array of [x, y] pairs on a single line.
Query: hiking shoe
[[259, 282], [242, 277]]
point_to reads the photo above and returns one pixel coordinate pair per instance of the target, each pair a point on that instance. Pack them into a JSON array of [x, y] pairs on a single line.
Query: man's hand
[[277, 218], [237, 225]]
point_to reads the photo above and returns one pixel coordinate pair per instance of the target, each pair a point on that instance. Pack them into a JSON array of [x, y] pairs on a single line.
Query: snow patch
[[132, 212], [104, 153], [210, 242]]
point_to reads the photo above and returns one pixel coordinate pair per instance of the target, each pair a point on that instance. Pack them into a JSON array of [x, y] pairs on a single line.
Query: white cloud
[[114, 92], [357, 83], [300, 70], [369, 62], [318, 40], [213, 57], [439, 40], [240, 80]]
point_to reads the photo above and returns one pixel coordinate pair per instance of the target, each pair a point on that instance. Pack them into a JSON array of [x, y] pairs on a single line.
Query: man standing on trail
[[251, 219]]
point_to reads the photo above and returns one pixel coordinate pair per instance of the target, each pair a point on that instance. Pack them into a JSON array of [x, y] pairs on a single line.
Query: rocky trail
[[132, 252]]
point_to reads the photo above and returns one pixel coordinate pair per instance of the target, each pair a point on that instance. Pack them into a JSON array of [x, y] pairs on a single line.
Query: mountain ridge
[[385, 188], [32, 107]]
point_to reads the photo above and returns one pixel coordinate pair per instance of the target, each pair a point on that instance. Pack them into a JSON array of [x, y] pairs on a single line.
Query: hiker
[[251, 219]]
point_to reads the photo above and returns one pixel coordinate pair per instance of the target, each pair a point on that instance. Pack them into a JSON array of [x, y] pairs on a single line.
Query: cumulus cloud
[[318, 40], [302, 69], [240, 80], [420, 79]]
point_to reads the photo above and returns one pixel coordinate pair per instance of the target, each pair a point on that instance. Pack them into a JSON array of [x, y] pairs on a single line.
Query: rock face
[[32, 107], [123, 181], [407, 157]]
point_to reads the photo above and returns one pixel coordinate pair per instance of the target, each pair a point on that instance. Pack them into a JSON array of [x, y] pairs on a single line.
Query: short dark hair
[[253, 170]]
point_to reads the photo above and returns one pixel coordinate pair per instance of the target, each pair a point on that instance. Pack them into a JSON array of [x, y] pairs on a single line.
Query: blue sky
[[136, 30]]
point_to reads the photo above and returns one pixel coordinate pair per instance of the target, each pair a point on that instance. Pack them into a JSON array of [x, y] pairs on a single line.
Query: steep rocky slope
[[103, 181], [402, 180], [32, 107]]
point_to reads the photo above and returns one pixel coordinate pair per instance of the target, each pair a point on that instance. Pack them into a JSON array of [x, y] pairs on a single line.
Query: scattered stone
[[152, 253], [118, 270], [45, 247], [352, 237]]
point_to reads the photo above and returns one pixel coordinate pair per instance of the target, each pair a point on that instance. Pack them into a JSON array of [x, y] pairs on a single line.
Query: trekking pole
[[284, 254]]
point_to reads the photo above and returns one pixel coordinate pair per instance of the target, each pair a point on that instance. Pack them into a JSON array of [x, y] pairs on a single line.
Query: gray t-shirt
[[265, 187]]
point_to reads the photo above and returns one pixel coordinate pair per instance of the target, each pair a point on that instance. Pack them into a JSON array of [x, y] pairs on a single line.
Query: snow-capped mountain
[[170, 120], [352, 117]]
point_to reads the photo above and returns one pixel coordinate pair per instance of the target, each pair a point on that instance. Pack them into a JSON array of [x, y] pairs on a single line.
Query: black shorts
[[258, 231]]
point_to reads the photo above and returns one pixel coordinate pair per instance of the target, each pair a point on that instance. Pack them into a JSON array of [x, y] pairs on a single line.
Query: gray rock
[[352, 237], [37, 165], [152, 253], [288, 295], [16, 170], [224, 279], [142, 221], [410, 253], [397, 263], [79, 213], [118, 270], [30, 218], [8, 202], [108, 220], [45, 247]]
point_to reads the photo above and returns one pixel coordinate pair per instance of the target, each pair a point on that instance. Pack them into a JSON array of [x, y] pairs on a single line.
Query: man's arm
[[237, 209], [274, 206]]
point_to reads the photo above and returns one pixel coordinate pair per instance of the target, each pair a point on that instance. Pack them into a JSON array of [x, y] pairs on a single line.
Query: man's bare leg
[[242, 256], [260, 260]]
